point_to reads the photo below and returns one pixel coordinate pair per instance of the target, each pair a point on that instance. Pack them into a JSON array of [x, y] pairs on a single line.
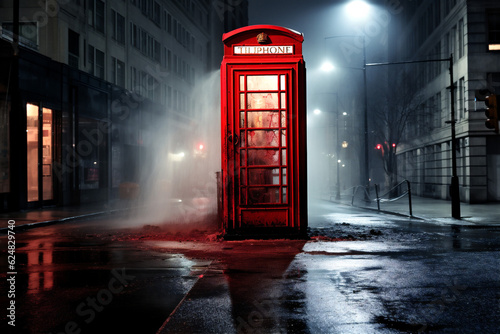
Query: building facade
[[469, 31], [87, 85]]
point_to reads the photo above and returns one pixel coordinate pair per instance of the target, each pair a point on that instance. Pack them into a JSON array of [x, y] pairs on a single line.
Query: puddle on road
[[348, 247]]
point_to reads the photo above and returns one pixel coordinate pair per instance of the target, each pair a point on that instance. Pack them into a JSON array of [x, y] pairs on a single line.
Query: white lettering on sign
[[263, 50]]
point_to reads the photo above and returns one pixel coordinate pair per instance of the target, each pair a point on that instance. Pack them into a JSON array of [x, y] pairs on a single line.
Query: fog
[[180, 183], [335, 99], [178, 179]]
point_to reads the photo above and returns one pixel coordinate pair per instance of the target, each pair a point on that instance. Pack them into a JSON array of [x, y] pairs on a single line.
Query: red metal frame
[[266, 195]]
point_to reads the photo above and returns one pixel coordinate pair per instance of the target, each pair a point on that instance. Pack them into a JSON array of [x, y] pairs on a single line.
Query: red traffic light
[[378, 147]]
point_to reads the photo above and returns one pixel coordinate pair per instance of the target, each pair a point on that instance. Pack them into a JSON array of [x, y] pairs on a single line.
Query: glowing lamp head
[[358, 9], [327, 67]]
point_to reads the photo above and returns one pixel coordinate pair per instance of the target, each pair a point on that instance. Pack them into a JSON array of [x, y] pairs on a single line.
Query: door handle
[[233, 139]]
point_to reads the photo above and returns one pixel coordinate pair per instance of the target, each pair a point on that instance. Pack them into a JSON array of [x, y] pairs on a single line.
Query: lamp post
[[337, 145], [365, 178]]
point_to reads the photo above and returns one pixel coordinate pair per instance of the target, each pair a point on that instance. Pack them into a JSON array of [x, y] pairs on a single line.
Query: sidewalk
[[435, 210], [51, 215], [424, 208]]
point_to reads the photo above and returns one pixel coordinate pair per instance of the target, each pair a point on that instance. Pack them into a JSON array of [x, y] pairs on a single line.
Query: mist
[[335, 131], [178, 176], [178, 182]]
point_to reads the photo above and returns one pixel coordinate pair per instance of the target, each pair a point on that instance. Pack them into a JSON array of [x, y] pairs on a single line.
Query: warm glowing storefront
[[39, 153], [263, 132], [68, 137], [55, 133]]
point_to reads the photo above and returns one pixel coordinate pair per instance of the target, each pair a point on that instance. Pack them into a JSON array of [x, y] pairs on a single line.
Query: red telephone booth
[[264, 180]]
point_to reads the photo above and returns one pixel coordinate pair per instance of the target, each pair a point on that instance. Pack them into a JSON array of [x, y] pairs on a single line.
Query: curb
[[60, 220]]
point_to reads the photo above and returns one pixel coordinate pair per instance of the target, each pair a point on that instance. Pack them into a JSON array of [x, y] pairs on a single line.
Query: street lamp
[[357, 9], [327, 67]]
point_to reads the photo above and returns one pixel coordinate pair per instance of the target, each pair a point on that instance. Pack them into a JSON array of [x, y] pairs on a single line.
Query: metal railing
[[380, 198], [406, 192], [355, 191]]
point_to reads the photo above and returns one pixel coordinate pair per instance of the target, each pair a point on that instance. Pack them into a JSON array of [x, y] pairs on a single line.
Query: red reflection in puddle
[[40, 280]]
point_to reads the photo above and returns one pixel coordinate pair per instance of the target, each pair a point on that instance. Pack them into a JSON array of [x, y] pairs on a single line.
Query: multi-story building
[[86, 84], [469, 30]]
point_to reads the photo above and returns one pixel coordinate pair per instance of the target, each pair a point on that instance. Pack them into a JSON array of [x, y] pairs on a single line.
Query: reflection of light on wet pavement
[[348, 247], [342, 287], [39, 256]]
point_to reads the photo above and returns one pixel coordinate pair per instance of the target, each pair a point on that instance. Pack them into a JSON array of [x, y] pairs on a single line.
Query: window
[[144, 42], [437, 111], [169, 96], [157, 51], [118, 72], [99, 16], [92, 155], [437, 13], [96, 14], [447, 116], [145, 5], [493, 18], [28, 33], [447, 48], [135, 36], [176, 100], [460, 98], [435, 66], [118, 27], [164, 57], [157, 14], [460, 38], [453, 49], [169, 60], [134, 79], [99, 64], [96, 62], [91, 59], [73, 48], [449, 5]]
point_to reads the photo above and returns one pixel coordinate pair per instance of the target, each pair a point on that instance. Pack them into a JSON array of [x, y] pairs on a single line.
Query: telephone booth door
[[261, 152], [262, 147]]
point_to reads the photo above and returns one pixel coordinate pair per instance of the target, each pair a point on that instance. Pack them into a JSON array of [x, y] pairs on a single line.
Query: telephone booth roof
[[271, 28], [276, 36]]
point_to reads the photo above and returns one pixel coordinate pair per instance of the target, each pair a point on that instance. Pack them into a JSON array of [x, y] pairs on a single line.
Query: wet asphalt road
[[361, 272]]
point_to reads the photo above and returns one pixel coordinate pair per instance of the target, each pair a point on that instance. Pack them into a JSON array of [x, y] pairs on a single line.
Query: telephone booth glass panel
[[261, 152]]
